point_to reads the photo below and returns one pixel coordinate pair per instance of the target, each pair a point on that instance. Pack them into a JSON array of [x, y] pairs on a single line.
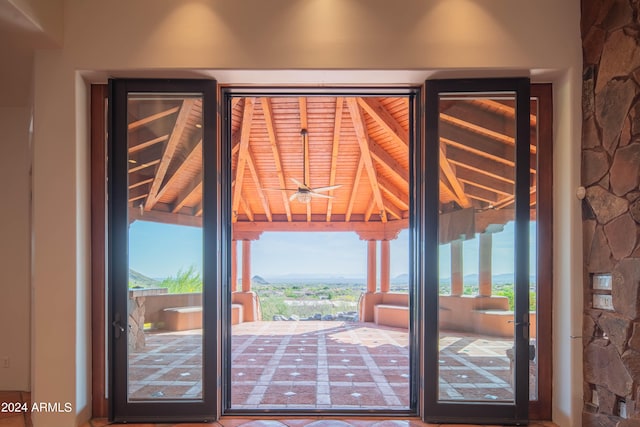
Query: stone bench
[[190, 317], [182, 318], [391, 315]]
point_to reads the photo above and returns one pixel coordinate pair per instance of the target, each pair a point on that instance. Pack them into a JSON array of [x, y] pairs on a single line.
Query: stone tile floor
[[320, 365], [309, 422]]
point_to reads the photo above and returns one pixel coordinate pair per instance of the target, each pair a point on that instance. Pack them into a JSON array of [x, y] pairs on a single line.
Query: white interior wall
[[15, 286], [326, 37]]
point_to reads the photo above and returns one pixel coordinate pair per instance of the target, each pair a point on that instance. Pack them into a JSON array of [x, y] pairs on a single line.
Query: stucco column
[[385, 265], [234, 265], [371, 265], [246, 265], [484, 267], [456, 268]]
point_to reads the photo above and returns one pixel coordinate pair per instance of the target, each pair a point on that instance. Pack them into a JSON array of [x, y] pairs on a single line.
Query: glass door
[[164, 227], [478, 176]]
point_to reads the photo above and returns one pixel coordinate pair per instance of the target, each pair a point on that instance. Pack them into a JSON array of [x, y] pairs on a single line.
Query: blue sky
[[160, 250]]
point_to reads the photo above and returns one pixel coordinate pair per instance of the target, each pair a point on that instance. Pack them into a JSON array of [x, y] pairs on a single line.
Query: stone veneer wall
[[611, 209]]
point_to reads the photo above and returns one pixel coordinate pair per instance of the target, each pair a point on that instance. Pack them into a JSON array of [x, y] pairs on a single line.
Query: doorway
[[319, 191], [389, 205]]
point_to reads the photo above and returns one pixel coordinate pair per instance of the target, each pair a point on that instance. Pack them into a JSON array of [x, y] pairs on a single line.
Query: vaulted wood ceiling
[[360, 144]]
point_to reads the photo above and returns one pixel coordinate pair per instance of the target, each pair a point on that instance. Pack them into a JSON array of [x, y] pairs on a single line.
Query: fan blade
[[293, 196], [324, 196], [320, 189], [298, 183], [280, 189]]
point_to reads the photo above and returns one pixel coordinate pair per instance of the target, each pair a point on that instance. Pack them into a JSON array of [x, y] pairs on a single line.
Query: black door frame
[[414, 96], [120, 408], [428, 274]]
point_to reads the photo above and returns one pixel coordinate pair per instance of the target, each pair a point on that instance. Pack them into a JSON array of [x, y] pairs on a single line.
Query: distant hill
[[139, 279], [400, 279], [259, 280]]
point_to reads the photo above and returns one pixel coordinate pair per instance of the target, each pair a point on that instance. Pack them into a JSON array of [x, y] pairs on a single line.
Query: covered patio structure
[[337, 163]]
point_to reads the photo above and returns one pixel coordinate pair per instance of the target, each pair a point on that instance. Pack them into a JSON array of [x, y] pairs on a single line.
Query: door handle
[[118, 328]]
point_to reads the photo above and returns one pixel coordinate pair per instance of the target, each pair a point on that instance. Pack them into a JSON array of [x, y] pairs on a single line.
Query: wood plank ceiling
[[360, 144]]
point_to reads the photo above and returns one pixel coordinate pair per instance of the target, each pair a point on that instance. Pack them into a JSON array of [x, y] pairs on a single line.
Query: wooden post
[[456, 268], [246, 265], [484, 267], [385, 266], [234, 265], [371, 265]]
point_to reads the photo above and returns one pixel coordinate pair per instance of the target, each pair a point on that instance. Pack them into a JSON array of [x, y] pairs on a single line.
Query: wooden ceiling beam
[[152, 117], [395, 195], [246, 208], [384, 228], [337, 126], [364, 142], [193, 187], [256, 179], [247, 121], [387, 162], [507, 110], [384, 119], [478, 169], [455, 185], [370, 208], [148, 143], [140, 183], [267, 110], [354, 190], [195, 152], [393, 210], [144, 166], [169, 151], [479, 184]]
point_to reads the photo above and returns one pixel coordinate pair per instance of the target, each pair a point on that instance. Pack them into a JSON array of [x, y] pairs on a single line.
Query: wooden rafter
[[479, 184], [246, 208], [256, 179], [376, 110], [507, 110], [247, 121], [481, 170], [194, 187], [337, 126], [354, 190], [195, 152], [395, 212], [273, 141], [395, 195], [502, 203], [507, 160], [387, 162], [146, 144], [363, 141], [169, 151], [454, 184], [369, 211], [140, 183], [151, 118], [144, 166]]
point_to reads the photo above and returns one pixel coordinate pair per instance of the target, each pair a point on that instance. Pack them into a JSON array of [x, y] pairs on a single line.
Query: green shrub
[[185, 281]]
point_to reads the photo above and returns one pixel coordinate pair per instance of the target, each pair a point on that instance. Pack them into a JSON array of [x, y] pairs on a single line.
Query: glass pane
[[476, 233], [165, 247]]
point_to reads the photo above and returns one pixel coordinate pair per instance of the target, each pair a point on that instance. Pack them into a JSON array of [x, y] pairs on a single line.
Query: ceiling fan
[[304, 193]]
